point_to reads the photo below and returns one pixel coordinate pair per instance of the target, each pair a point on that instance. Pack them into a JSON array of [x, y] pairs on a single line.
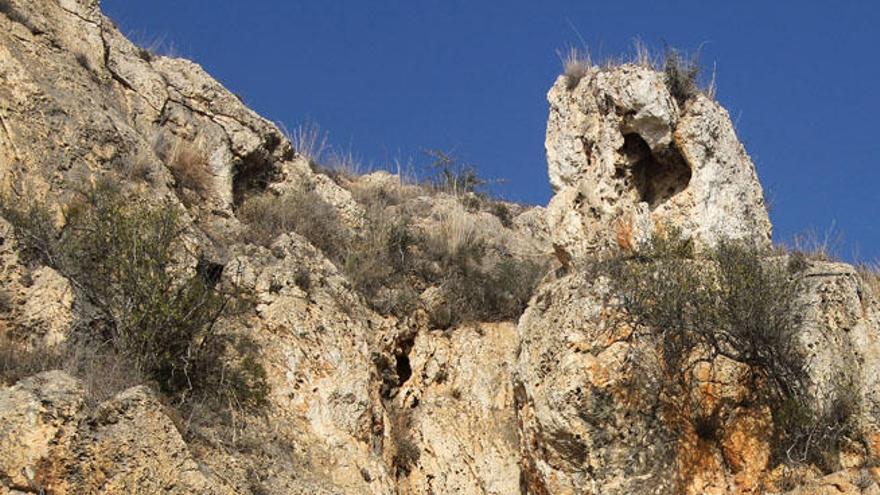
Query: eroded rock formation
[[625, 158], [568, 399]]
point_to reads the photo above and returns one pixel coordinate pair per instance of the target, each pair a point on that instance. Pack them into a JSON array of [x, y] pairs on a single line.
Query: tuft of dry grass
[[824, 246], [188, 165], [575, 65], [870, 274], [103, 372], [309, 142], [457, 232]]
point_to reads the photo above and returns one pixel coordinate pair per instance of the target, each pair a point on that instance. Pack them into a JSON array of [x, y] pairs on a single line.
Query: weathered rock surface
[[127, 445], [624, 159], [568, 400]]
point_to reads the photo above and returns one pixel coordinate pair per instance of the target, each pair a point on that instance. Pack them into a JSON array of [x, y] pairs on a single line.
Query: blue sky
[[386, 79]]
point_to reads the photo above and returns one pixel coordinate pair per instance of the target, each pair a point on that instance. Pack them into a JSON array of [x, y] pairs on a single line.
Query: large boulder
[[52, 443], [625, 158]]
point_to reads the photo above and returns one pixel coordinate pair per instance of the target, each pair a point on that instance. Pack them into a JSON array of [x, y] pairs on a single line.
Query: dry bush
[[451, 175], [392, 261], [102, 371], [575, 65], [267, 216], [18, 360]]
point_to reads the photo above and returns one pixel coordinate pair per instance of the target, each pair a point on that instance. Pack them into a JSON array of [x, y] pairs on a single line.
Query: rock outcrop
[[625, 158], [568, 399]]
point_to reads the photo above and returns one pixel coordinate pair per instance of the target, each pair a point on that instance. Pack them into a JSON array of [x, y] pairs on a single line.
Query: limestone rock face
[[129, 443], [594, 413], [624, 158], [457, 427], [98, 104]]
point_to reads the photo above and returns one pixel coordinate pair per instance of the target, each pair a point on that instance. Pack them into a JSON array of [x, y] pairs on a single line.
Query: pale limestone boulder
[[624, 159], [589, 397], [34, 414], [841, 335], [132, 446], [48, 305], [127, 445]]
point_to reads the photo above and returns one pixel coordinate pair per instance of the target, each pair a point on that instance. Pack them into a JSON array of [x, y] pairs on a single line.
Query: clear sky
[[386, 79]]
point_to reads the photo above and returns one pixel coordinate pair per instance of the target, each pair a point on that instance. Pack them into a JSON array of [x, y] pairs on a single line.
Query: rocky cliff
[[394, 351]]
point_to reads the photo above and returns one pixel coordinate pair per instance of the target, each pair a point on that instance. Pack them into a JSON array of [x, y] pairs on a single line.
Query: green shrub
[[123, 257], [731, 301]]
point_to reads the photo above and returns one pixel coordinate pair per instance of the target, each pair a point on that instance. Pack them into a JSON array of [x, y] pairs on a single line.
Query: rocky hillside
[[191, 303]]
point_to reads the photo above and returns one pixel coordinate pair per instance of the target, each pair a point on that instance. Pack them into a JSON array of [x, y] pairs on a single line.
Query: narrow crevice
[[402, 365]]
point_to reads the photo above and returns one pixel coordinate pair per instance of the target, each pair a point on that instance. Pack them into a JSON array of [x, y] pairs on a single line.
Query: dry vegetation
[[393, 260], [189, 166], [682, 72]]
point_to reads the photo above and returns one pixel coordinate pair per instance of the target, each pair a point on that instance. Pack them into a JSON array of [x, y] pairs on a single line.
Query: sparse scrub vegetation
[[394, 261], [682, 75], [733, 302], [125, 260], [451, 175], [681, 72], [268, 215]]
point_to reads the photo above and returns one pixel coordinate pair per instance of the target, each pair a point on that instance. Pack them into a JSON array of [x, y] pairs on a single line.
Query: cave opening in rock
[[402, 365], [656, 175], [254, 172]]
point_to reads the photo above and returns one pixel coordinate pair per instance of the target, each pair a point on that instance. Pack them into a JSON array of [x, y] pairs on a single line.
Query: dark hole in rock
[[209, 271], [252, 174], [707, 427], [658, 175], [402, 365]]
